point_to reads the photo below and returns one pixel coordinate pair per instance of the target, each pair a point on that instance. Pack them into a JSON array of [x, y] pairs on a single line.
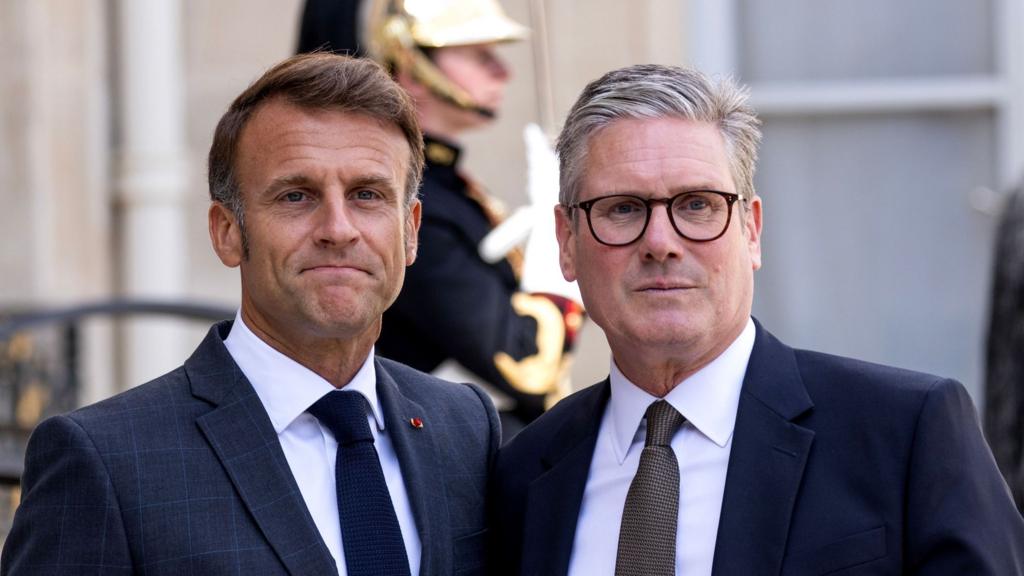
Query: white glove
[[541, 189], [507, 235], [541, 270]]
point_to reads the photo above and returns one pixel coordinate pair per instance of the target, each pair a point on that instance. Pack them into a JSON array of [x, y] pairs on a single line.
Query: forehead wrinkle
[[307, 178], [636, 166], [641, 178]]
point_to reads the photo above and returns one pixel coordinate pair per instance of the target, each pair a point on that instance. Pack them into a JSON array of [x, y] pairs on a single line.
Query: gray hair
[[656, 91]]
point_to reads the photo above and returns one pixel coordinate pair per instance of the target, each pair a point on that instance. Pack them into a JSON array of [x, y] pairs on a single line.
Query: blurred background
[[892, 131]]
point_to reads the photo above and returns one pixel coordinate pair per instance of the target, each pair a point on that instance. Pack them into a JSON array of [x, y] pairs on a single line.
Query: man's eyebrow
[[286, 181], [303, 180], [385, 184], [629, 191], [378, 181], [705, 188]]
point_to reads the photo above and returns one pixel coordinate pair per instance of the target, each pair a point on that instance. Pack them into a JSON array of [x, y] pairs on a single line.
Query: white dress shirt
[[287, 389], [708, 400]]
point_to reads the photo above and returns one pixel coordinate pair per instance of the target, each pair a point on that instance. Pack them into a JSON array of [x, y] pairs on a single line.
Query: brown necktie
[[647, 537]]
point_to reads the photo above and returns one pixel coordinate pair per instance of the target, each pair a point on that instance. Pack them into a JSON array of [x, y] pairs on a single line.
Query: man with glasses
[[713, 448]]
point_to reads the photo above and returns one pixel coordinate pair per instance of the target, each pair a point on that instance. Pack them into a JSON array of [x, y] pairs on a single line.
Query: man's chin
[[341, 320], [667, 329]]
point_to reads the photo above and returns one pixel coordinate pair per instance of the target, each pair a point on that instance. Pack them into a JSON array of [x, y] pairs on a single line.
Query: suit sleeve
[[493, 425], [511, 339], [960, 518], [69, 520]]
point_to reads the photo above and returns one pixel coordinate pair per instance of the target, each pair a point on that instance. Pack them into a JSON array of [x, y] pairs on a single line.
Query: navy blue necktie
[[370, 534]]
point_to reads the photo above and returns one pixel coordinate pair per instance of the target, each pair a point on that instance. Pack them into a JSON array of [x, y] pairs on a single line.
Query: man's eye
[[366, 194], [295, 196], [695, 203], [623, 208]]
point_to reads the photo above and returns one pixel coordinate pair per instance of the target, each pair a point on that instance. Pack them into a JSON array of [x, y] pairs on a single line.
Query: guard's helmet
[[396, 33]]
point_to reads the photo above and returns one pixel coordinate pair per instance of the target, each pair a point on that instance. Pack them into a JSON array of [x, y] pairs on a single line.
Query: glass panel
[[818, 40], [871, 248]]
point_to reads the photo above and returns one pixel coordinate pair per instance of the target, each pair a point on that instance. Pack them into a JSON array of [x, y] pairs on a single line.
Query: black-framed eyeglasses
[[621, 219]]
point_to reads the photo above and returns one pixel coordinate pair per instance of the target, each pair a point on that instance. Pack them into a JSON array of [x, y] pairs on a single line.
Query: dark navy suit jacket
[[185, 475], [838, 467]]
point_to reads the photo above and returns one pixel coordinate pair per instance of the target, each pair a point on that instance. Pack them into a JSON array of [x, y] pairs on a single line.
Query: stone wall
[[59, 132]]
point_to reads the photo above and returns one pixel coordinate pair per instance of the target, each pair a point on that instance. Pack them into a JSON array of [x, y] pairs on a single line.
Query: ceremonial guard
[[506, 322]]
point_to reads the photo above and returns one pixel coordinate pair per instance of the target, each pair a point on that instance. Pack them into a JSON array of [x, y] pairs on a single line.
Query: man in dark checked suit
[[282, 446], [713, 448]]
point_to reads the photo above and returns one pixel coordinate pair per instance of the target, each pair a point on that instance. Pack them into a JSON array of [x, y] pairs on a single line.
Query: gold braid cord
[[495, 212], [547, 371]]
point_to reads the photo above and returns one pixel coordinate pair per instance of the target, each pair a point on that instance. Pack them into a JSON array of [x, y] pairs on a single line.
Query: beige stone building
[[890, 131], [108, 110]]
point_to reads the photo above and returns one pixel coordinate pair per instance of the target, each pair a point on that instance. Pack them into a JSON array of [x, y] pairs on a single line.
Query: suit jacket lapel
[[766, 465], [417, 451], [554, 498], [243, 439]]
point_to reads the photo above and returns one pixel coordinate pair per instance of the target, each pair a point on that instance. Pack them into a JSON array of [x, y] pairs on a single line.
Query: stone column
[[152, 177]]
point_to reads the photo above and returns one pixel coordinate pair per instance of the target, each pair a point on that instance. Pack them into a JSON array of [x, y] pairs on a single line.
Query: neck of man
[[336, 360], [658, 370]]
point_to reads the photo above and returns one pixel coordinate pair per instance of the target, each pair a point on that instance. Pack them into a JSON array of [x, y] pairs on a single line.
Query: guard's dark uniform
[[456, 306]]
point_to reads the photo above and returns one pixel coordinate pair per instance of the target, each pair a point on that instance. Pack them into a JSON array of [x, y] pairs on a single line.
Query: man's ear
[[566, 234], [225, 235], [752, 230], [412, 231]]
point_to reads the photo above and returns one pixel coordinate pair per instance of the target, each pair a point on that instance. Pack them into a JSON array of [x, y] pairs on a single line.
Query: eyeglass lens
[[622, 219]]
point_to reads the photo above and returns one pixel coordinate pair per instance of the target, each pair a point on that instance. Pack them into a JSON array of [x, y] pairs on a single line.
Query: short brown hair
[[320, 81]]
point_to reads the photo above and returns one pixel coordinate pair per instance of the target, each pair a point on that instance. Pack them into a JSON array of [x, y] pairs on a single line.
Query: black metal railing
[[39, 363]]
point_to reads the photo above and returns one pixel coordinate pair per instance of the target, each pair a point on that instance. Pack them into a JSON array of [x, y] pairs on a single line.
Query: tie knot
[[344, 414], [662, 422]]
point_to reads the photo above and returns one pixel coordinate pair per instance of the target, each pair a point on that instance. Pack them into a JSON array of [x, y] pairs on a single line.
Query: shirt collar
[[708, 399], [286, 388]]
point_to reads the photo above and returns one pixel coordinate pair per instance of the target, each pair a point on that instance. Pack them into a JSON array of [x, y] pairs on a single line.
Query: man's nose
[[661, 241], [335, 224]]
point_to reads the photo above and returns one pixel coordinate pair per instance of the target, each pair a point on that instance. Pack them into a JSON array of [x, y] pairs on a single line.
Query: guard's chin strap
[[425, 71], [485, 112], [396, 45]]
